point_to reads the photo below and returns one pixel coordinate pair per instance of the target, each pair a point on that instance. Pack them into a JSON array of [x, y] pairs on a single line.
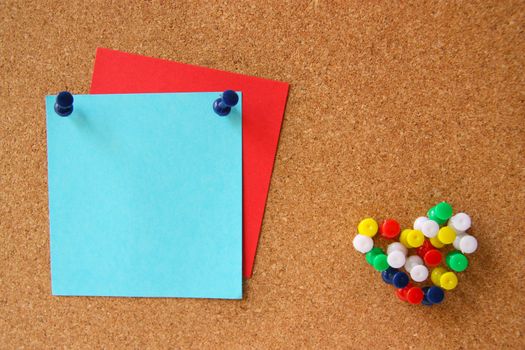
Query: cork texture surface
[[393, 106]]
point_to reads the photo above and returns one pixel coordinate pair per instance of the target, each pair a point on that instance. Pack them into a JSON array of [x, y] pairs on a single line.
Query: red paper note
[[263, 108]]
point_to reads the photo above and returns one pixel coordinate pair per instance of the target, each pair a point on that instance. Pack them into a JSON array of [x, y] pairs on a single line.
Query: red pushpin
[[432, 257], [421, 251], [402, 292], [415, 295], [389, 228]]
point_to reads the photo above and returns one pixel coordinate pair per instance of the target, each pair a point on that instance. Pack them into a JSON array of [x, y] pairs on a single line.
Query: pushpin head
[[402, 292], [222, 106], [400, 279], [64, 104], [370, 256], [380, 262], [388, 275], [363, 244], [446, 235], [389, 228], [425, 300], [230, 98], [435, 295], [448, 280], [432, 257], [456, 261], [415, 238], [443, 211], [414, 295], [433, 216], [367, 227]]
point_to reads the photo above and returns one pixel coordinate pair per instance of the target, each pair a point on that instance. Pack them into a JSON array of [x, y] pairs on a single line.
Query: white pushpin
[[430, 228], [459, 235], [396, 255], [460, 222], [362, 243], [466, 243], [412, 261], [419, 222], [419, 273], [414, 266], [396, 246]]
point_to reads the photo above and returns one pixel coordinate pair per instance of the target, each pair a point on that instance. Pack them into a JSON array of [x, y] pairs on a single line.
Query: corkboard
[[393, 107]]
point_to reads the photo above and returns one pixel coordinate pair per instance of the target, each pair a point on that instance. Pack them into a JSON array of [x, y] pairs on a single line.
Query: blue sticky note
[[145, 197]]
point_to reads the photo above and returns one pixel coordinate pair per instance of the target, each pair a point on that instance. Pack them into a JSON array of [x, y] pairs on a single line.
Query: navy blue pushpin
[[64, 104], [425, 300], [435, 295], [400, 280], [223, 105], [388, 275]]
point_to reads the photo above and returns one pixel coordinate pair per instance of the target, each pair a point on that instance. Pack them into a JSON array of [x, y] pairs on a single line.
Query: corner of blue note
[[145, 197]]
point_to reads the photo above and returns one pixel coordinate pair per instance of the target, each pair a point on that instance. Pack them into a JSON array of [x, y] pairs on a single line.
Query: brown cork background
[[393, 107]]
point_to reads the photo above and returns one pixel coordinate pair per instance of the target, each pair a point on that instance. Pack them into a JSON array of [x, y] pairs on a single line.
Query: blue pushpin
[[400, 280], [64, 104], [388, 275], [223, 105], [435, 295], [425, 300]]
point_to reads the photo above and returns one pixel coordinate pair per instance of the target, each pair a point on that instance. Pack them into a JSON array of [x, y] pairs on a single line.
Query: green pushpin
[[456, 261], [372, 254], [431, 214], [380, 262], [443, 211]]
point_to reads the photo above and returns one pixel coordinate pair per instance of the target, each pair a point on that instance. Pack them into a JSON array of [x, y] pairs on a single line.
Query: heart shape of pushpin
[[422, 254]]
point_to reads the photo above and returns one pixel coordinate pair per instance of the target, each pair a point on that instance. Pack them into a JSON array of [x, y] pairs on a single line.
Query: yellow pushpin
[[446, 235], [448, 280], [403, 238], [441, 278], [367, 227], [436, 274], [436, 243], [415, 238]]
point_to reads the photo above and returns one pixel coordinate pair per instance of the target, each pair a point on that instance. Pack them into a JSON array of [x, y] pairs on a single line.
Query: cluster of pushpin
[[418, 252]]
